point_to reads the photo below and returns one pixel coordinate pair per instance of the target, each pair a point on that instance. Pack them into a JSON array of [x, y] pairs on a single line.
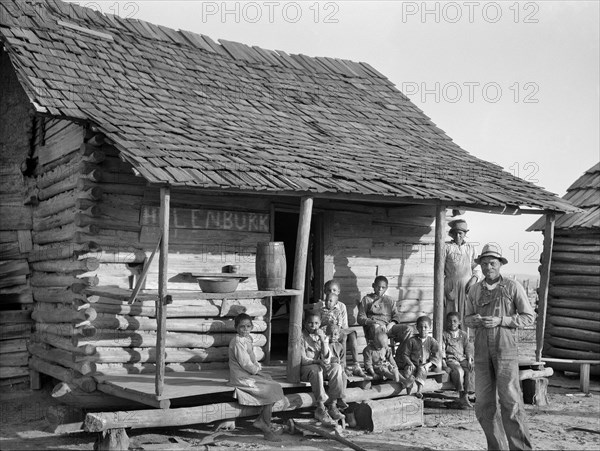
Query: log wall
[[573, 318], [16, 300], [393, 242]]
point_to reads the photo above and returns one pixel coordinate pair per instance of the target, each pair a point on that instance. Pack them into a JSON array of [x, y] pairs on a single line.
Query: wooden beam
[[544, 284], [295, 330], [438, 274], [161, 303], [152, 418], [268, 318]]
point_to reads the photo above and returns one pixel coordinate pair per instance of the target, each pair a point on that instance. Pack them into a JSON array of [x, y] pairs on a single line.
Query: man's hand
[[490, 322], [410, 367], [389, 326]]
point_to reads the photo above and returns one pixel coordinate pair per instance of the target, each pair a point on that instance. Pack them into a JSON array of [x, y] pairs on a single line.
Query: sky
[[515, 83]]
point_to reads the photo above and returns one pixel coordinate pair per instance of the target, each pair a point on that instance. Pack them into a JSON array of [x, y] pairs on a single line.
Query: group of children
[[325, 338]]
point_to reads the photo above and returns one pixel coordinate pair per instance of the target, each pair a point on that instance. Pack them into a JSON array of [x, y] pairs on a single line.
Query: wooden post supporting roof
[[296, 303], [544, 284], [438, 274], [161, 303]]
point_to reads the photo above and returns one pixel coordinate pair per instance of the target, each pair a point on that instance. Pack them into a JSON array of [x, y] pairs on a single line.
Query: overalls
[[496, 362]]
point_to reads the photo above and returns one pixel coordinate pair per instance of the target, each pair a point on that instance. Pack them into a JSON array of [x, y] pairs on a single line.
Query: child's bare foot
[[260, 424], [357, 371], [341, 404], [464, 401]]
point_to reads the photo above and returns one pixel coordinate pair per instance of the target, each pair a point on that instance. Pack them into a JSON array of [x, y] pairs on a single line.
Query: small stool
[[584, 370]]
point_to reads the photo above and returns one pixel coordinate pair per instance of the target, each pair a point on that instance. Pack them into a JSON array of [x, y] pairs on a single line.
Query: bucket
[[270, 266]]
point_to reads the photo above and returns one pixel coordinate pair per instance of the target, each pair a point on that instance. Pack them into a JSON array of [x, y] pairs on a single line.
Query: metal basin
[[218, 284]]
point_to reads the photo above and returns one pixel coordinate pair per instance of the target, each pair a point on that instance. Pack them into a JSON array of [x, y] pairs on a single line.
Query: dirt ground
[[23, 427]]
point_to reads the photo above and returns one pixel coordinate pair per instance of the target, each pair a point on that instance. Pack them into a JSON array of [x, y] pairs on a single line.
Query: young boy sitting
[[457, 353], [317, 367], [333, 312], [419, 355], [378, 312], [379, 361]]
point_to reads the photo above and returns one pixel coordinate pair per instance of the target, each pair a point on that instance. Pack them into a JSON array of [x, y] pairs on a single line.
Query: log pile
[[15, 331], [573, 319]]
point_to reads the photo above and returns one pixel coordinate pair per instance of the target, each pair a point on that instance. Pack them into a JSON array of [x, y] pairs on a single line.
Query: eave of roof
[[585, 194], [186, 111]]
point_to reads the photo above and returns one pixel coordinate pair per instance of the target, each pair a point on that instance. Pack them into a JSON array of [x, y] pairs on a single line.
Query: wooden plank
[[544, 283], [15, 217], [438, 278], [101, 421], [124, 294], [296, 304], [142, 398], [161, 303], [142, 276]]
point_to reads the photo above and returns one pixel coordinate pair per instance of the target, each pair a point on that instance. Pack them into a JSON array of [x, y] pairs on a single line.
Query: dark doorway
[[285, 228]]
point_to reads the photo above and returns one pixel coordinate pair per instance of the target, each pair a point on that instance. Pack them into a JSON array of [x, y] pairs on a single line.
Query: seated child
[[334, 312], [457, 353], [317, 367], [378, 312], [419, 355], [337, 354], [379, 362], [252, 387]]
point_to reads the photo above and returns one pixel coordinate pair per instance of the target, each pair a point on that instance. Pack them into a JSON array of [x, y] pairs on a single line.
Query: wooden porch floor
[[140, 387]]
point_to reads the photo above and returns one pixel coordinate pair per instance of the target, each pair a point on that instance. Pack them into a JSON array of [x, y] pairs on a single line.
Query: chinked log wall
[[94, 225], [398, 243], [573, 321], [16, 301]]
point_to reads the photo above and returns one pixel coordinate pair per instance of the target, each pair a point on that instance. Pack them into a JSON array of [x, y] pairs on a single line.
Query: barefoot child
[[419, 355], [376, 312], [317, 366], [457, 353], [379, 362], [335, 313], [252, 387]]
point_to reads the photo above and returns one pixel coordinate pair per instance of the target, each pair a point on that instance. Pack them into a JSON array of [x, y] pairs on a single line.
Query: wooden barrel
[[270, 265]]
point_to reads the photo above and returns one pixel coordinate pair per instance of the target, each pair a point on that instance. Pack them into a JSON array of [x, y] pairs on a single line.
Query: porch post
[[296, 303], [438, 273], [161, 305], [544, 283]]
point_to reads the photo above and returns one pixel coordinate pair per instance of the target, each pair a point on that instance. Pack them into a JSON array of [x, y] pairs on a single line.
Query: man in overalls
[[496, 307]]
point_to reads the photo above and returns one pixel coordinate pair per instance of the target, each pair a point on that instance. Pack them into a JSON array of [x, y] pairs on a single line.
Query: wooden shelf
[[241, 294]]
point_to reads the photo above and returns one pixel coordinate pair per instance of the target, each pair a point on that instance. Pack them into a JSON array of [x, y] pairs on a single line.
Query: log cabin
[[572, 331], [156, 155]]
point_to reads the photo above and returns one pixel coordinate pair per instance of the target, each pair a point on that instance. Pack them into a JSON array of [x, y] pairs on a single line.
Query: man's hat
[[491, 250], [459, 224]]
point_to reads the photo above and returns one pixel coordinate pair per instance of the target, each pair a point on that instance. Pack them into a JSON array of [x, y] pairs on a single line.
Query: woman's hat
[[491, 250], [459, 224]]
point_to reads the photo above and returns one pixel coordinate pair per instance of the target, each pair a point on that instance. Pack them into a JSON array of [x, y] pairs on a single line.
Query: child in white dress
[[252, 387]]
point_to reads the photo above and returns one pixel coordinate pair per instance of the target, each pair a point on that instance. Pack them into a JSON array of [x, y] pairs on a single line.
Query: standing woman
[[460, 270], [252, 387]]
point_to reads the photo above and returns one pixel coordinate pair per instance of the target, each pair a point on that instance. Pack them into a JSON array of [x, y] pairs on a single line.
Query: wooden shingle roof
[[187, 111], [585, 194]]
